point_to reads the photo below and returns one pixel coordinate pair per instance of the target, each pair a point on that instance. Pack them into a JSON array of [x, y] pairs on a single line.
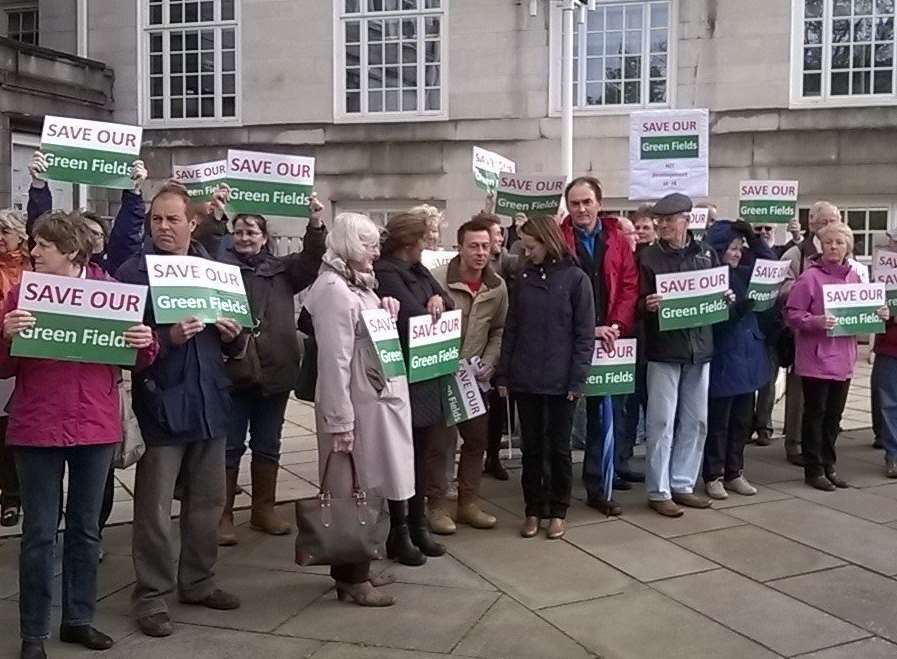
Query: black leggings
[[824, 402]]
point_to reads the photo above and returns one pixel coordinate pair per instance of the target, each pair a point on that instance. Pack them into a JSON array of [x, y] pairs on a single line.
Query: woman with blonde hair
[[434, 218]]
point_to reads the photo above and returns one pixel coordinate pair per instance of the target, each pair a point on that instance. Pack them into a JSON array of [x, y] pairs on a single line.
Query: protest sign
[[884, 270], [269, 183], [90, 152], [767, 202], [436, 258], [532, 195], [697, 219], [487, 166], [201, 179], [185, 286], [668, 152], [433, 348], [612, 371], [766, 280], [462, 395], [81, 320], [854, 307], [693, 299], [385, 335]]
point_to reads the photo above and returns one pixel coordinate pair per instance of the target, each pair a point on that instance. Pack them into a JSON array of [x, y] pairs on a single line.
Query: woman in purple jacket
[[824, 363]]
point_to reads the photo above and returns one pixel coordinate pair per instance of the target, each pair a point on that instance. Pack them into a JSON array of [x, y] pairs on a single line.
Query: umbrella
[[607, 452]]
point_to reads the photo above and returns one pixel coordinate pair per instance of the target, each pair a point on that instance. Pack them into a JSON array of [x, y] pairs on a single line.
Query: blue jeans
[[676, 425], [592, 474], [631, 406], [886, 390], [263, 417], [40, 482]]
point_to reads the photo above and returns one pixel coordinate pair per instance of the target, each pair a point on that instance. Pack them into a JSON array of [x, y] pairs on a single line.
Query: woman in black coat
[[401, 275]]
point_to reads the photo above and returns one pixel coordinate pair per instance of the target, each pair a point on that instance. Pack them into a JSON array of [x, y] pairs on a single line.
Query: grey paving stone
[[757, 553], [765, 494], [210, 643], [771, 468], [889, 491], [871, 648], [262, 551], [860, 473], [693, 521], [347, 651], [853, 501], [648, 624], [444, 571], [761, 613]]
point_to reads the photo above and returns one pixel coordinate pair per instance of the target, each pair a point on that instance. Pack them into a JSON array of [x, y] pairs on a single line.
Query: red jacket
[[620, 273], [886, 344], [61, 403]]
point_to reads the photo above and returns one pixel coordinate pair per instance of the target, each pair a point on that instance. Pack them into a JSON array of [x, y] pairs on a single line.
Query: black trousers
[[498, 414], [729, 421], [9, 481], [824, 402], [545, 426]]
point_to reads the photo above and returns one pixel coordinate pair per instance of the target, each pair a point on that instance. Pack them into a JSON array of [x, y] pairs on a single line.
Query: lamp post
[[568, 8]]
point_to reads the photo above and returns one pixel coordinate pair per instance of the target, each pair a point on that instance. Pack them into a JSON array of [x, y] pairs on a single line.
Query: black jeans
[[824, 402], [263, 417], [545, 426], [875, 399], [635, 404], [498, 414], [9, 482], [766, 395], [729, 421]]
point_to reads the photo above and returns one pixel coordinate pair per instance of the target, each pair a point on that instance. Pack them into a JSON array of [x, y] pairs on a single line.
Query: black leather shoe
[[85, 635], [400, 549], [836, 480], [218, 600], [820, 483], [877, 443], [631, 476], [609, 508], [33, 650], [420, 536], [620, 484], [495, 468], [797, 459], [157, 625]]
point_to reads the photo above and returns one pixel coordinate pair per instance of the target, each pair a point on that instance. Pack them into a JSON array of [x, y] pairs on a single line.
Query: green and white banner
[[693, 299], [90, 152], [201, 179], [532, 195], [79, 320], [487, 166], [854, 306], [668, 152], [884, 270], [188, 286], [462, 395], [385, 335], [766, 281], [436, 258], [269, 183], [767, 202], [612, 371], [433, 348], [697, 219]]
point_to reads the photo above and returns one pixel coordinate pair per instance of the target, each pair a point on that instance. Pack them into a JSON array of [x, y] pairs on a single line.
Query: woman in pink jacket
[[62, 413], [824, 363]]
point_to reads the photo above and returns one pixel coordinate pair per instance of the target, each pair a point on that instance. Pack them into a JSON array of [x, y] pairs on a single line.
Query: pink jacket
[[818, 355], [61, 403]]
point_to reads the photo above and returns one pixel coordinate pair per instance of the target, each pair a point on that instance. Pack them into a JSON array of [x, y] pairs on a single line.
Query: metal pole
[[83, 51], [567, 92]]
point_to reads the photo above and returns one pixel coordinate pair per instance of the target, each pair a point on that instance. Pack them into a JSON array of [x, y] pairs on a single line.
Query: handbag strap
[[356, 484]]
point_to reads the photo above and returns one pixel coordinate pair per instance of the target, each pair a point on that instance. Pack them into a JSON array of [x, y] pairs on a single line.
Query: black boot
[[33, 650], [418, 529], [398, 545], [494, 467]]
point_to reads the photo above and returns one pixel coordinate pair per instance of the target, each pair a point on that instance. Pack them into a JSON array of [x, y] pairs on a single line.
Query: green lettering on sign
[[670, 147]]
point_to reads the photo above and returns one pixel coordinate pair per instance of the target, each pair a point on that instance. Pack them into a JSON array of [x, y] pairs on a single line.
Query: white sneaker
[[741, 486], [715, 489]]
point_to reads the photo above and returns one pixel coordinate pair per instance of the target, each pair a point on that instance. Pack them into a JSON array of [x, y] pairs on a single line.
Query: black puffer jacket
[[549, 334]]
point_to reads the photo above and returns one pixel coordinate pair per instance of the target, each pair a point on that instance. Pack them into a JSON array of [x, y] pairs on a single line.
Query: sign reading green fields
[[766, 281], [433, 348], [463, 398], [269, 183], [201, 179], [531, 195], [884, 270], [612, 371], [693, 299], [186, 286], [81, 320], [90, 152], [487, 166], [668, 152], [854, 307], [385, 335], [767, 202]]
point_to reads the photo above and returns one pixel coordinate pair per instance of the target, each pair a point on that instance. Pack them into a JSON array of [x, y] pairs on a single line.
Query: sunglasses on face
[[766, 229]]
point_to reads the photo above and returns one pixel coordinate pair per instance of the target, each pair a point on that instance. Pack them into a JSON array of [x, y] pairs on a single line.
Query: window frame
[[144, 27], [555, 74], [388, 207], [25, 7], [341, 116], [886, 203]]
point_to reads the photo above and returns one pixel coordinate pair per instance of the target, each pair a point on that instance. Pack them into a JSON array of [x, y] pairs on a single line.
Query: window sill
[[842, 102], [391, 118], [162, 124], [606, 111]]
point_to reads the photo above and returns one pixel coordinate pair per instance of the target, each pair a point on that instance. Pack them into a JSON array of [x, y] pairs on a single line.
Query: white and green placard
[[668, 152], [487, 166], [612, 371], [462, 396], [766, 281], [201, 179], [436, 258], [697, 219], [854, 307], [269, 183], [80, 320], [433, 348], [884, 270], [90, 152], [385, 335], [693, 299], [767, 202], [182, 287], [531, 195]]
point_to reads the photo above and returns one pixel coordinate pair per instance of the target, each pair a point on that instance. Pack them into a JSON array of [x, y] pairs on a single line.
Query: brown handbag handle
[[356, 485]]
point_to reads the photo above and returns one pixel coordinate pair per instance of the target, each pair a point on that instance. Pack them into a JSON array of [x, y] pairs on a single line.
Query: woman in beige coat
[[357, 409]]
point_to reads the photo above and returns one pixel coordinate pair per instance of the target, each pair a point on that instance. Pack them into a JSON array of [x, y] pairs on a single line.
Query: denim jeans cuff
[[32, 637], [81, 622]]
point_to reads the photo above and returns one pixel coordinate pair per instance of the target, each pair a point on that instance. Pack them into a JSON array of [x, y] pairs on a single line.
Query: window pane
[[812, 84], [409, 101], [632, 93], [841, 8], [634, 17], [658, 91], [353, 32], [612, 93], [192, 107], [351, 6], [856, 219], [228, 83], [862, 7], [633, 68], [156, 86], [884, 6], [812, 59], [155, 14], [177, 86], [156, 107], [392, 101], [613, 68], [660, 15], [432, 76], [658, 66], [207, 11], [227, 10], [229, 106], [177, 108], [884, 55], [207, 107], [840, 84], [375, 102], [595, 94], [813, 33], [614, 18], [191, 15], [434, 102], [861, 82], [353, 102], [840, 57], [813, 8]]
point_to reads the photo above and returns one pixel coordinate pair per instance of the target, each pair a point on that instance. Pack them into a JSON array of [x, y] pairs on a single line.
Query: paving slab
[[860, 473], [759, 612], [348, 651], [445, 571], [870, 648], [693, 521], [853, 501], [765, 494], [209, 643], [889, 491], [771, 468]]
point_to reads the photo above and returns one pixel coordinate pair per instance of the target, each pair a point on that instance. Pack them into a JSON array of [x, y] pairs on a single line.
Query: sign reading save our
[[693, 299], [80, 320], [269, 183], [433, 348], [854, 307], [462, 395], [90, 152], [767, 202], [668, 152], [487, 165], [385, 335], [612, 371], [187, 286], [201, 179], [766, 281], [884, 270], [531, 195]]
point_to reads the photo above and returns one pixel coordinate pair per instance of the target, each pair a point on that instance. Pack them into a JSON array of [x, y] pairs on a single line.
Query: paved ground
[[789, 572]]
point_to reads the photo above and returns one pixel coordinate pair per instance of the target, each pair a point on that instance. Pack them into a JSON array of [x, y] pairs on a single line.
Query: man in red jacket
[[606, 257]]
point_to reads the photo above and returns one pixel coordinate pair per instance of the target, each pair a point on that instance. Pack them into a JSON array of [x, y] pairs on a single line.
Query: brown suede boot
[[264, 486], [227, 534]]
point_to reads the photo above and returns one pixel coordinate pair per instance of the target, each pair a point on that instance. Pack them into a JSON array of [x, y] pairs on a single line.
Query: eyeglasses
[[767, 229]]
